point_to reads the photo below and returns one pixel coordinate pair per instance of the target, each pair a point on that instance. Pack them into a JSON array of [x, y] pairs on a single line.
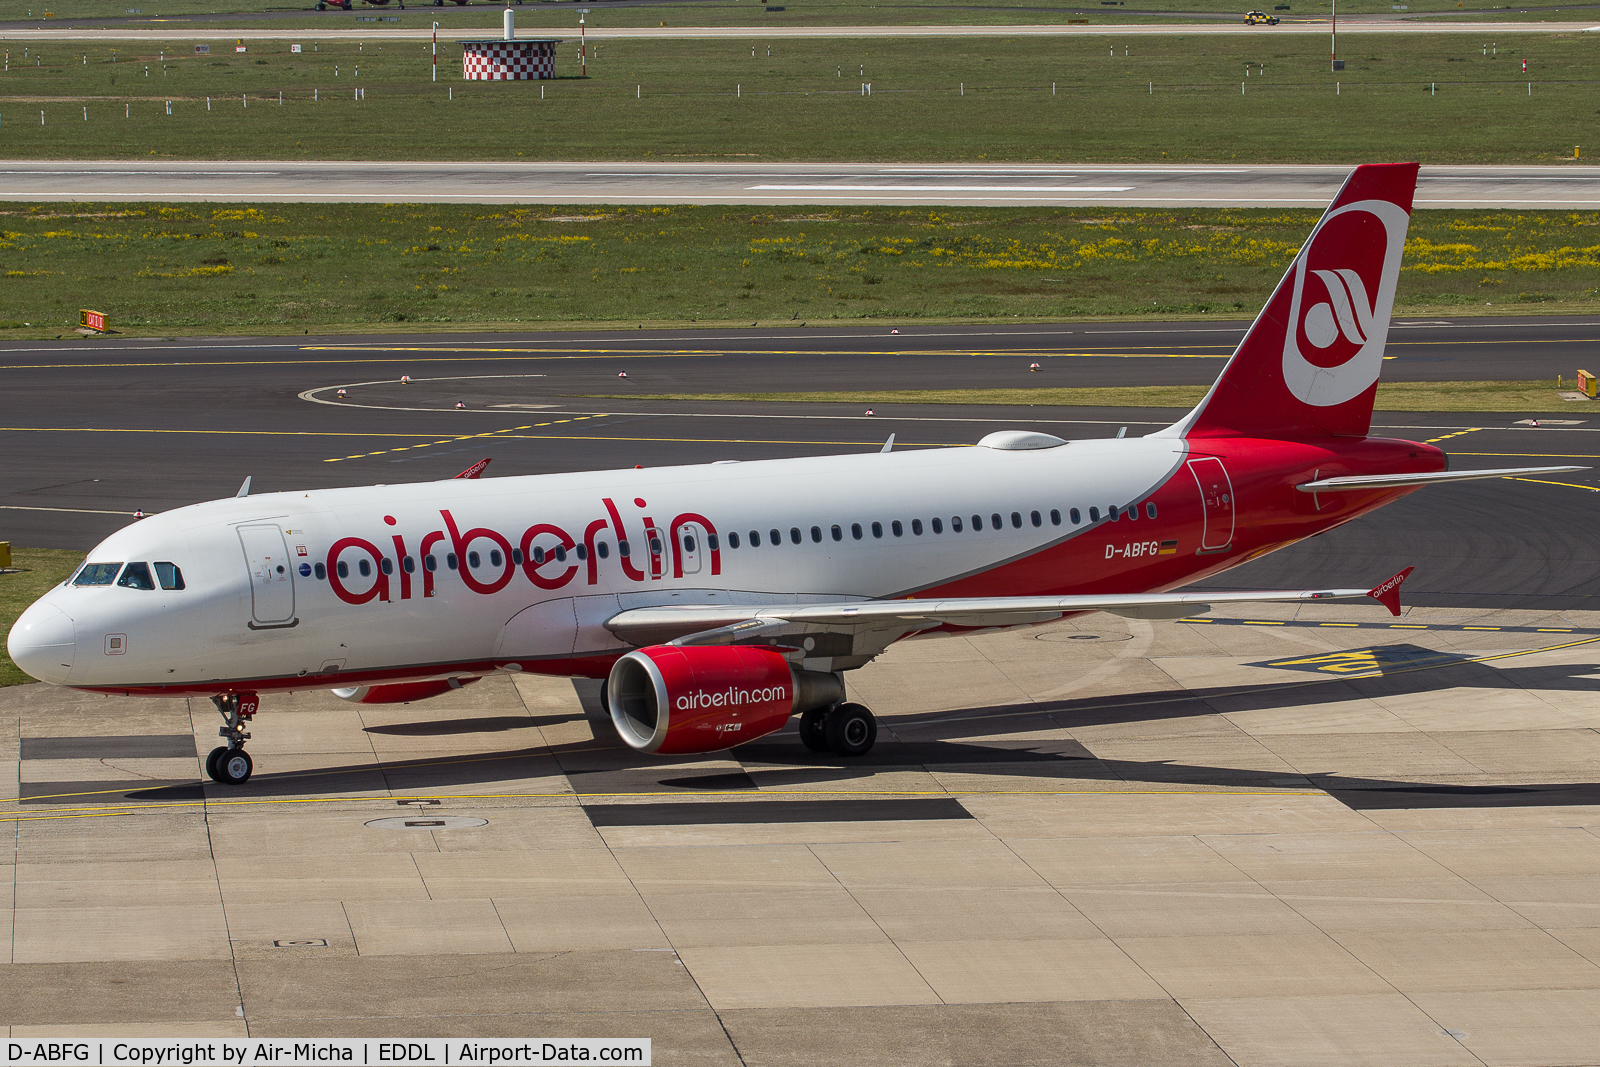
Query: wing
[[869, 626]]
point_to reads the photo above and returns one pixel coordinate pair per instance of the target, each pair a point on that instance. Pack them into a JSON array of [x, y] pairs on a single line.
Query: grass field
[[1437, 99], [36, 569], [550, 14], [1534, 398], [205, 269]]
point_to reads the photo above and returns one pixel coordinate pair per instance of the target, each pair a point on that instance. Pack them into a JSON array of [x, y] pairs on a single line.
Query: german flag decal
[[1168, 548]]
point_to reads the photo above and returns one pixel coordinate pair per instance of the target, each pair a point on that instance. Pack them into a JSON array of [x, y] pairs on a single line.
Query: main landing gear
[[230, 764], [844, 729]]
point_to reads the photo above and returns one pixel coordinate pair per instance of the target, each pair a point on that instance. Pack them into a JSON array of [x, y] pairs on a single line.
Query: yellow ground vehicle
[[1260, 18]]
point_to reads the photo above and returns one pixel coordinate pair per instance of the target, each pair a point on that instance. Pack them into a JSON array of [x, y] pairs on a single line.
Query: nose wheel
[[230, 764]]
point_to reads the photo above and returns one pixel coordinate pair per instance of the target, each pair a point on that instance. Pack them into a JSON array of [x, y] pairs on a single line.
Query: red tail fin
[[1309, 365], [474, 470]]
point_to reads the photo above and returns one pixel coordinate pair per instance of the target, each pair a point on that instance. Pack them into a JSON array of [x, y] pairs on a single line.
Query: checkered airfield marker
[[516, 60]]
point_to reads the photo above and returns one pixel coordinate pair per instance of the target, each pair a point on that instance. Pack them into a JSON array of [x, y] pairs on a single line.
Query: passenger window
[[1076, 518], [168, 576], [321, 572], [1016, 520], [495, 558], [655, 546], [916, 527], [774, 538], [342, 568], [136, 576], [688, 543], [409, 564], [816, 535], [711, 543], [977, 522], [1149, 510], [1094, 514], [1055, 517], [604, 550], [896, 529], [429, 563], [365, 567], [794, 535], [98, 574], [561, 554], [516, 556], [1111, 513], [838, 534], [938, 526], [624, 549], [583, 551], [855, 530], [473, 560], [955, 524], [449, 561], [877, 529], [733, 540], [538, 557], [386, 565], [755, 539], [1035, 519], [994, 520]]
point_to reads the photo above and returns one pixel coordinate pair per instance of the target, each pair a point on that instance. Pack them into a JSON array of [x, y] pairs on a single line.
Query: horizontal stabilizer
[[1400, 481]]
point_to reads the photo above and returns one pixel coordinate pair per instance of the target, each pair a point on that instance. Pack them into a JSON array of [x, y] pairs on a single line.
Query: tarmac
[[1108, 842]]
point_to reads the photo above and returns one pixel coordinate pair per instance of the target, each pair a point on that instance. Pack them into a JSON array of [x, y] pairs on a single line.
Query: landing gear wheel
[[813, 730], [850, 729], [211, 762], [233, 766]]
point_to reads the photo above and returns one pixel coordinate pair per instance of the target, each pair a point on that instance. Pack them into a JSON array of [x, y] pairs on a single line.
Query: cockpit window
[[97, 574], [136, 576], [169, 575]]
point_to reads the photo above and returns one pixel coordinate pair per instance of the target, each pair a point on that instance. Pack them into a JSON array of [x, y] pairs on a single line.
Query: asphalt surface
[[417, 31], [742, 183], [96, 429]]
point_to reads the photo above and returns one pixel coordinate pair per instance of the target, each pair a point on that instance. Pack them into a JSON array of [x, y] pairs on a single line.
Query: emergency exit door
[[1216, 503], [271, 576]]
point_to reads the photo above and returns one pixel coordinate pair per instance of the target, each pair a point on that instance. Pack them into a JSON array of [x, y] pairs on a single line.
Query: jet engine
[[400, 692], [670, 700]]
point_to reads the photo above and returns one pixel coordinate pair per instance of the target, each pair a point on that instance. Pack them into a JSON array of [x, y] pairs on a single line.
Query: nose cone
[[42, 643]]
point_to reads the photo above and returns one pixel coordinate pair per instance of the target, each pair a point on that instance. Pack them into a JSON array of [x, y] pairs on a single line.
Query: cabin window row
[[957, 524]]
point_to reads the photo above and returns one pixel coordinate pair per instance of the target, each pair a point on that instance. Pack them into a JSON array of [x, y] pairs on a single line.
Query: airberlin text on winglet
[[100, 1052]]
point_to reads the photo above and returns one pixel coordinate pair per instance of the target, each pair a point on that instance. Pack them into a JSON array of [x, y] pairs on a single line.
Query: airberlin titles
[[548, 555]]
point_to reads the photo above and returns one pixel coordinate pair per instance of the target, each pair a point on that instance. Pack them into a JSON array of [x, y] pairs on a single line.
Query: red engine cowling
[[670, 700], [401, 692]]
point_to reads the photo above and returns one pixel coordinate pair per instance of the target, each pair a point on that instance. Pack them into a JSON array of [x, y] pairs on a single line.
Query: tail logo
[[1344, 283]]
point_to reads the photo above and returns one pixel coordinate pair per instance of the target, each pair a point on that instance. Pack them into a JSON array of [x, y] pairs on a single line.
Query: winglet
[[1388, 593], [244, 488], [888, 445], [474, 470]]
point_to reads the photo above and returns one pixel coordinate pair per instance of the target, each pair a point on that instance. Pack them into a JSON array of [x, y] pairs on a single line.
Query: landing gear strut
[[230, 764]]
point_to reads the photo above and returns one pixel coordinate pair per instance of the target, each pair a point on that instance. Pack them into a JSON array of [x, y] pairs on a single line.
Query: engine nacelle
[[400, 692], [672, 700]]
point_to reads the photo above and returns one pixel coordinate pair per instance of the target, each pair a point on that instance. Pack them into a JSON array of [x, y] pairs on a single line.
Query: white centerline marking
[[954, 188]]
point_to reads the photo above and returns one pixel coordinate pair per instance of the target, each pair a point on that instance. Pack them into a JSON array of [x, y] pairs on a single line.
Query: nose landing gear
[[230, 764]]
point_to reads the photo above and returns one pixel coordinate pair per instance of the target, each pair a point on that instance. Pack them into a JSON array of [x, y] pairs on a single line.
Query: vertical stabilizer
[[1309, 365]]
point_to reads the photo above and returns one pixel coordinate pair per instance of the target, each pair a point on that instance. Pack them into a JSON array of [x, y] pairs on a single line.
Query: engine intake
[[671, 700]]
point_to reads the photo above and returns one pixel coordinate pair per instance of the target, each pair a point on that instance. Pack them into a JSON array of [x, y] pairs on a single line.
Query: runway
[[419, 32], [100, 428], [1575, 187]]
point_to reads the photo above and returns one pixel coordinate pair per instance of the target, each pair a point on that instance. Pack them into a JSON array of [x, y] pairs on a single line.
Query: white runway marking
[[954, 188]]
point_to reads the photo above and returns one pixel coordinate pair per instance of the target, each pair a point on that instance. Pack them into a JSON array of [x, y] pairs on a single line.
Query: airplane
[[718, 600]]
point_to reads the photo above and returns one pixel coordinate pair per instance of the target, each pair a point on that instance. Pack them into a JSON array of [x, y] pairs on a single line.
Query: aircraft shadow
[[969, 741]]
